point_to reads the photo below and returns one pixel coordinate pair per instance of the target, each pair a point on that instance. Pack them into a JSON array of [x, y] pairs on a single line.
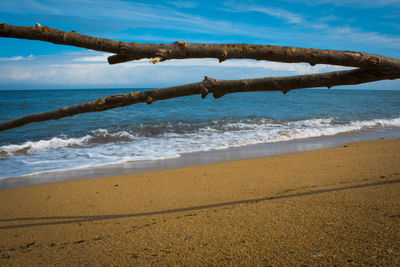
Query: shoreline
[[335, 206], [198, 158]]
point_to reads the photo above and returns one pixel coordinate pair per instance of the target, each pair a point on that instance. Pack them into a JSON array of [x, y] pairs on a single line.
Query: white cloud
[[90, 70], [183, 4], [279, 13], [97, 58], [129, 14], [17, 58], [352, 3], [322, 29], [293, 68], [357, 35]]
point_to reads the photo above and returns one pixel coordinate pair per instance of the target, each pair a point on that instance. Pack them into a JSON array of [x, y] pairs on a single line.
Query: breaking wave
[[168, 140]]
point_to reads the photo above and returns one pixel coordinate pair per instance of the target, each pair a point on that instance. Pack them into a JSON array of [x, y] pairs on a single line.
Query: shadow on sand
[[79, 219]]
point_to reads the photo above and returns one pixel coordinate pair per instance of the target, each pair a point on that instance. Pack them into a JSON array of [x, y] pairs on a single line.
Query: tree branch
[[218, 88], [181, 50]]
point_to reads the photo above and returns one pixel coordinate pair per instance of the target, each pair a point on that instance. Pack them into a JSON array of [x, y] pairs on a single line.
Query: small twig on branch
[[218, 88]]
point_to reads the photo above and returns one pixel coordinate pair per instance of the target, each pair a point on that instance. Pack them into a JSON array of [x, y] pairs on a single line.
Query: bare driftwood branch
[[370, 68], [218, 88], [181, 50]]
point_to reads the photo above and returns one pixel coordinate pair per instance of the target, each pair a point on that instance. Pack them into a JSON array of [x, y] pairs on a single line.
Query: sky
[[371, 26]]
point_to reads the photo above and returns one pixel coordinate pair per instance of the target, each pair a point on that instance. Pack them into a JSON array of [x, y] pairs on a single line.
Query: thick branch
[[217, 87], [181, 50]]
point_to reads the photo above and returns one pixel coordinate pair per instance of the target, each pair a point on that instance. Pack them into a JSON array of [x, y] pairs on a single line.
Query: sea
[[126, 138]]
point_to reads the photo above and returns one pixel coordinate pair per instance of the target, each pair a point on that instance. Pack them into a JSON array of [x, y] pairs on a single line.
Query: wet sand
[[334, 206]]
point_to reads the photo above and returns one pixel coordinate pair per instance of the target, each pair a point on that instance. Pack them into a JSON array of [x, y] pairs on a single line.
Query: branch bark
[[209, 85]]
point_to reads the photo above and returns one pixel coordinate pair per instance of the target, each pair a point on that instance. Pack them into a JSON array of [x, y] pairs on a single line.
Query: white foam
[[61, 153], [43, 145]]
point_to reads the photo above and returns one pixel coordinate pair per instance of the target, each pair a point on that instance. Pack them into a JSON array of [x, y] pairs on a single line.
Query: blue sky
[[358, 25]]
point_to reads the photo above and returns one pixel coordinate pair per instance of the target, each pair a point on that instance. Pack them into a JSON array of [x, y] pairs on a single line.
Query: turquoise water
[[168, 129]]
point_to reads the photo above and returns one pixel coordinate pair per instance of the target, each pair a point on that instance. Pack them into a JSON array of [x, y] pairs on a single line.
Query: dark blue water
[[167, 129]]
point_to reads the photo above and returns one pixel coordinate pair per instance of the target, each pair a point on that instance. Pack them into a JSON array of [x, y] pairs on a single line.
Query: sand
[[336, 206]]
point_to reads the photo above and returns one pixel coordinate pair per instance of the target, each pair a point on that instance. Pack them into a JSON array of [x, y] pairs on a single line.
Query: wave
[[227, 132], [166, 140], [42, 145]]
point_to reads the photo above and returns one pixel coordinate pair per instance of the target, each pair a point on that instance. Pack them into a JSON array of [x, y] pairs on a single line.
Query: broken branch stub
[[370, 68]]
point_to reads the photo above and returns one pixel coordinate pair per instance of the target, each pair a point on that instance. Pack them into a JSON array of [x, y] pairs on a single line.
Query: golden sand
[[335, 206]]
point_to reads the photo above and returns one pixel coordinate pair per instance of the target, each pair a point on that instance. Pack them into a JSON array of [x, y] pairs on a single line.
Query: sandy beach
[[335, 206]]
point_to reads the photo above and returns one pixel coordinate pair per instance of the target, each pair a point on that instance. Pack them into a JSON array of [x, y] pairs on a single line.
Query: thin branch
[[209, 85], [181, 50]]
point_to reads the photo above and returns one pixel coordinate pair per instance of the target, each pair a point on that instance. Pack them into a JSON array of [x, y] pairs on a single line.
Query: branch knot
[[204, 92], [181, 44], [223, 56], [218, 94], [285, 91], [149, 100]]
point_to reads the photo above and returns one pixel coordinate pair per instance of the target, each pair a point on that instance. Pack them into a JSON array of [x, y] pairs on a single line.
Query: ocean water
[[171, 128]]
